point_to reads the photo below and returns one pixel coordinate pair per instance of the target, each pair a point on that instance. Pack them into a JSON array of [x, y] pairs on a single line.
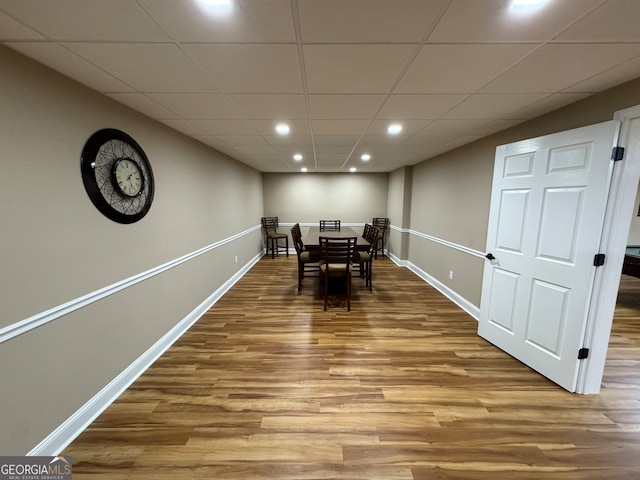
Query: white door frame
[[620, 209]]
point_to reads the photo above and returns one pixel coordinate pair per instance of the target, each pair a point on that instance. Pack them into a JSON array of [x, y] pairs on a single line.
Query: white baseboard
[[456, 298], [62, 436]]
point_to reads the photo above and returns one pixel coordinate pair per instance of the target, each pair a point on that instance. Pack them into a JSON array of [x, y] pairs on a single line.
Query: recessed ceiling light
[[282, 129], [365, 157], [303, 169], [526, 3], [297, 157], [352, 169], [216, 7], [394, 129], [524, 6]]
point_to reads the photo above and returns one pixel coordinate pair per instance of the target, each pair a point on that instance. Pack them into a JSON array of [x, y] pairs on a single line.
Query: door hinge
[[617, 154], [598, 259], [583, 353]]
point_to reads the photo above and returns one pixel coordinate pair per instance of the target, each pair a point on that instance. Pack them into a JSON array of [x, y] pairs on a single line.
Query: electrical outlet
[[236, 258], [450, 274]]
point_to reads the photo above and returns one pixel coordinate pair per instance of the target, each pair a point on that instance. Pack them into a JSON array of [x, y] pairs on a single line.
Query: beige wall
[[309, 197], [56, 246], [399, 211], [450, 193]]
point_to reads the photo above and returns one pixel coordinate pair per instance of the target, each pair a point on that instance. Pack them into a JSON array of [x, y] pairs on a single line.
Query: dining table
[[311, 239]]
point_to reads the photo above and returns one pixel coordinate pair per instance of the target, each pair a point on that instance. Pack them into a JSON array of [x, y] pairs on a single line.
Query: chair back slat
[[296, 235], [329, 225], [336, 250], [381, 223], [374, 235]]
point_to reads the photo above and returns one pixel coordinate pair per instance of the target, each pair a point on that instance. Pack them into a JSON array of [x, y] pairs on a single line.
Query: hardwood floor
[[268, 386]]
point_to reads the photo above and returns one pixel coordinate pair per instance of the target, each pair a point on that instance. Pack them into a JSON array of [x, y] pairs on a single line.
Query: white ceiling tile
[[329, 158], [71, 65], [246, 21], [609, 78], [409, 127], [493, 106], [345, 107], [11, 29], [290, 140], [268, 127], [354, 68], [270, 106], [225, 127], [147, 67], [547, 105], [243, 140], [401, 107], [144, 104], [291, 150], [197, 105], [386, 141], [239, 68], [255, 149], [495, 126], [339, 140], [613, 21], [463, 140], [570, 63], [496, 21], [360, 21], [184, 126], [210, 141], [382, 154], [339, 127], [458, 68], [81, 20], [442, 131]]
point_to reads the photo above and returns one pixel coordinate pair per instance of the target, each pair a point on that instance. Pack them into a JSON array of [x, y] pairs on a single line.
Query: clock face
[[128, 177], [117, 176]]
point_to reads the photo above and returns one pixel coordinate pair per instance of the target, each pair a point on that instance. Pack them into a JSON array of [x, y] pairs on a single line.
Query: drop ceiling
[[338, 72]]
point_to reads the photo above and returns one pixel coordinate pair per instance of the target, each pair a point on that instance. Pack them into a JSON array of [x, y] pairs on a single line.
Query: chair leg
[[326, 291], [287, 245], [300, 275], [348, 292]]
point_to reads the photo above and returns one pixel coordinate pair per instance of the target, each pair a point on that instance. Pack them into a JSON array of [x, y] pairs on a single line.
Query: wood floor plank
[[266, 385]]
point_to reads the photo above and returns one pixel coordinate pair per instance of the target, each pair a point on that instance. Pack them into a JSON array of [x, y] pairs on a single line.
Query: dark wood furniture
[[365, 258], [329, 225], [337, 262], [382, 224], [631, 265], [307, 263], [311, 239], [272, 237]]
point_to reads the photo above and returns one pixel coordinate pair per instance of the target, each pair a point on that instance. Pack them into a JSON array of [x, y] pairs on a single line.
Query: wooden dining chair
[[329, 225], [307, 262], [272, 237], [337, 257], [382, 224], [365, 258], [366, 231]]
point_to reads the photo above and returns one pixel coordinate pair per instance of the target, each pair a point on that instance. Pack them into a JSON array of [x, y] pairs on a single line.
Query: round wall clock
[[117, 175]]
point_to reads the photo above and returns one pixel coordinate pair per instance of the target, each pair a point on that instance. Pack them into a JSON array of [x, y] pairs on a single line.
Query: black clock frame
[[101, 151]]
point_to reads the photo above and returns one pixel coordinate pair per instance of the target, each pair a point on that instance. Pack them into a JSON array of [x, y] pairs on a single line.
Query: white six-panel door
[[547, 211]]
